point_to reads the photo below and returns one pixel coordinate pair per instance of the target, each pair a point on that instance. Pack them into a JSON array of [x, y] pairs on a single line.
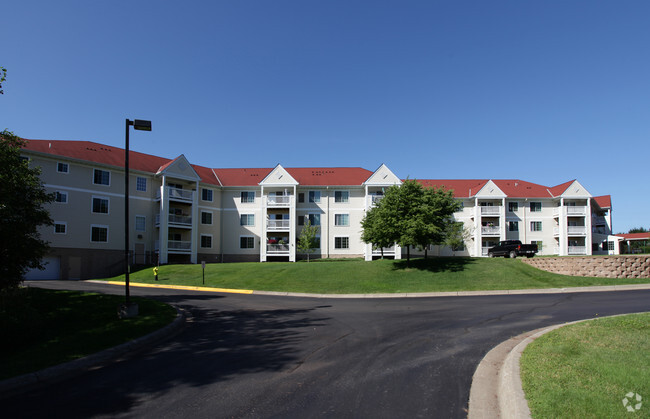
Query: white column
[[292, 225], [588, 228], [164, 218], [263, 216], [194, 236]]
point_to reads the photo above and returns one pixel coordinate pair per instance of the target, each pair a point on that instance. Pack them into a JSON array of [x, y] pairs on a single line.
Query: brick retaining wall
[[595, 266]]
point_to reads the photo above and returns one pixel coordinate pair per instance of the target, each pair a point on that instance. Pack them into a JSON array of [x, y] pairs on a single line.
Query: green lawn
[[380, 276], [585, 370], [41, 328]]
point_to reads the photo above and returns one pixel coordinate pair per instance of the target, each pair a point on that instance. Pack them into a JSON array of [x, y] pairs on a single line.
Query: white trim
[[342, 225], [247, 248], [63, 193], [248, 192], [341, 190], [211, 195], [201, 239], [145, 184], [211, 218], [246, 225], [341, 237], [135, 223], [67, 172]]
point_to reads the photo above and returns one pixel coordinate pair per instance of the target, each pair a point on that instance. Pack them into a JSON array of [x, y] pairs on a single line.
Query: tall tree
[[307, 240], [3, 77], [22, 212], [457, 235], [410, 215]]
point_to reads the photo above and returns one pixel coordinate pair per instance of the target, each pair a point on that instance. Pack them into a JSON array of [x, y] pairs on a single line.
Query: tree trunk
[[425, 252], [408, 256]]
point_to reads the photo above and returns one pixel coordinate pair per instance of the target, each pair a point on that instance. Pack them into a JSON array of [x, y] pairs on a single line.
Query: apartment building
[[185, 213]]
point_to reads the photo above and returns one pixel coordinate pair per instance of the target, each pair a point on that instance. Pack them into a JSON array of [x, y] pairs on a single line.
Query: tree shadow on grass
[[434, 264]]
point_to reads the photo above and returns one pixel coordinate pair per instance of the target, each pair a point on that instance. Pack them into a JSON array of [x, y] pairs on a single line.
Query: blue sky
[[543, 91]]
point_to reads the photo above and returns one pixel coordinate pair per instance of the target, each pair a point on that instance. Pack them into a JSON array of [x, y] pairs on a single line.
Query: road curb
[[598, 288], [31, 381], [496, 389]]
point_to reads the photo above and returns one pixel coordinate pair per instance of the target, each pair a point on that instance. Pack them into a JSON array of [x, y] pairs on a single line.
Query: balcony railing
[[490, 231], [576, 210], [179, 246], [278, 201], [178, 194], [274, 225], [577, 250], [175, 220], [485, 250], [388, 251], [277, 248], [490, 210], [577, 230]]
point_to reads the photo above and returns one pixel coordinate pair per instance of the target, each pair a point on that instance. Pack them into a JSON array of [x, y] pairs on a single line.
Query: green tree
[[21, 213], [3, 77], [457, 235], [307, 240], [410, 215]]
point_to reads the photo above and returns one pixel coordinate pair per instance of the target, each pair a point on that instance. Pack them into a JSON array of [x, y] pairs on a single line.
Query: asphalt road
[[262, 356]]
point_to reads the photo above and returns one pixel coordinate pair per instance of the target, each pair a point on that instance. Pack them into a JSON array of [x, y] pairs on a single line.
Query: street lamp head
[[142, 125]]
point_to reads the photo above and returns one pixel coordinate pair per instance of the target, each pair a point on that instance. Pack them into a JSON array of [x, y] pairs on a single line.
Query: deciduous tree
[[307, 240], [22, 212]]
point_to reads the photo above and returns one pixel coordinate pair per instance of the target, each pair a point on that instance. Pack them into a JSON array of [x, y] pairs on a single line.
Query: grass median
[[587, 369], [344, 276], [41, 328]]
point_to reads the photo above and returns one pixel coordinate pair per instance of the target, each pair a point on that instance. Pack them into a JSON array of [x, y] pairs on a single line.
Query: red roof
[[635, 236], [463, 188], [604, 201], [560, 189], [241, 177], [329, 176], [511, 187]]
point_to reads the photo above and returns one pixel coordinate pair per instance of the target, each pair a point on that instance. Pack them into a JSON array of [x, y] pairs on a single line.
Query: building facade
[[185, 213]]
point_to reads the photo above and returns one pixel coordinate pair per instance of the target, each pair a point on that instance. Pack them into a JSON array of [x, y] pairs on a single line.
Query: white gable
[[279, 177], [490, 190], [383, 176], [576, 190], [180, 168]]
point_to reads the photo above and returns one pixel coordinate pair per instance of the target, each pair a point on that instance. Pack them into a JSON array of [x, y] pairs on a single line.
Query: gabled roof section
[[279, 177], [635, 236], [463, 188], [179, 168], [383, 176], [491, 190], [329, 176], [560, 189], [575, 190]]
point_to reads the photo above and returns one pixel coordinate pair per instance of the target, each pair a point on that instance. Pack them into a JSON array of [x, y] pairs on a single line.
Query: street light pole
[[141, 125]]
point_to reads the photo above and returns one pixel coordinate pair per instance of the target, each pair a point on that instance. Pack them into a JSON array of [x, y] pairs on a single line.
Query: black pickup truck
[[512, 249]]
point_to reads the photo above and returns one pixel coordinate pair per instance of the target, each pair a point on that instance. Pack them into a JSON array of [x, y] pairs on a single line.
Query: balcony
[[175, 220], [277, 249], [577, 250], [373, 199], [278, 201], [571, 211], [178, 194], [577, 231], [175, 246], [491, 231], [388, 251], [490, 210], [278, 225]]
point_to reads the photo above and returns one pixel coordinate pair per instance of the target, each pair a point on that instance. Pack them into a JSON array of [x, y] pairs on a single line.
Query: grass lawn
[[380, 276], [585, 370], [41, 328]]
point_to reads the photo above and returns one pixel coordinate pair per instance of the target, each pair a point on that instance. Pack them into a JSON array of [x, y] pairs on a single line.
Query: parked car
[[512, 249]]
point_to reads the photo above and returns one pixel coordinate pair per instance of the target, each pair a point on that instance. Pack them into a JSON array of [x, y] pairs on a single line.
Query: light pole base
[[125, 312]]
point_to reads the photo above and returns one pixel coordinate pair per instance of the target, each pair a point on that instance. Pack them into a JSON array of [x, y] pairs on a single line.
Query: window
[[535, 207], [99, 234], [141, 184], [610, 245], [535, 226], [100, 205], [513, 226], [341, 196], [206, 217], [341, 219], [206, 241], [301, 197], [247, 197], [247, 220], [314, 219], [140, 223], [314, 196], [60, 227], [513, 206], [538, 243], [101, 177], [62, 168], [61, 197], [246, 242], [206, 194], [341, 242]]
